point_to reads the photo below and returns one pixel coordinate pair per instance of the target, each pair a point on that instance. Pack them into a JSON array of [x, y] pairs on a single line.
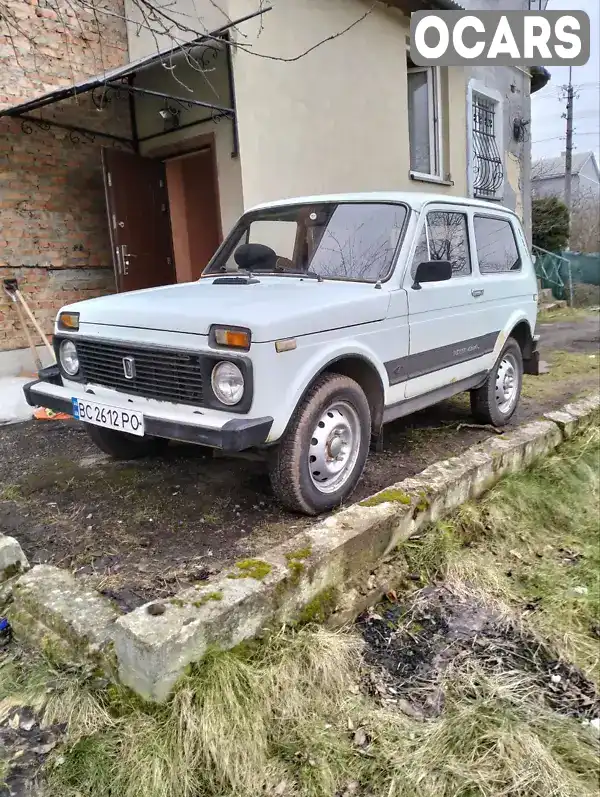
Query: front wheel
[[496, 401], [324, 450]]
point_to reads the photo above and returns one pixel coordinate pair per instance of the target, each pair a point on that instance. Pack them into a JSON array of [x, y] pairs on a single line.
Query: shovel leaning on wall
[[11, 287]]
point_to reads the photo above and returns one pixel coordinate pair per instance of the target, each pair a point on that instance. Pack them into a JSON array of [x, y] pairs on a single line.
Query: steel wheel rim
[[507, 383], [334, 447]]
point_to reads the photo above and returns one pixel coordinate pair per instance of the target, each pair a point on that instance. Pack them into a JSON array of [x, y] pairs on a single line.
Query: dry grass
[[534, 539], [282, 720], [563, 314], [577, 370]]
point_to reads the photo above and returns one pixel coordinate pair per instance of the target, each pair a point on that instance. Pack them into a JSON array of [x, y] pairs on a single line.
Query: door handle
[[125, 257], [477, 293]]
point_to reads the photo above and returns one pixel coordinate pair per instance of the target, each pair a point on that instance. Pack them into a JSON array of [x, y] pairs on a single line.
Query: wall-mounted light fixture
[[170, 117]]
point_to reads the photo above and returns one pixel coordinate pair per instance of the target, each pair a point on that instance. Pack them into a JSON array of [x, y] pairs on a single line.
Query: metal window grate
[[488, 171]]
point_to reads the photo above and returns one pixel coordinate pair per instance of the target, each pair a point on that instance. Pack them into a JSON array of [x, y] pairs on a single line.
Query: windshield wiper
[[310, 274]]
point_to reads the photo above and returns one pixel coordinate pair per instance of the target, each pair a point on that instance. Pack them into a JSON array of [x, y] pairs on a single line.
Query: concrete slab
[[13, 407], [12, 558], [574, 417], [55, 609]]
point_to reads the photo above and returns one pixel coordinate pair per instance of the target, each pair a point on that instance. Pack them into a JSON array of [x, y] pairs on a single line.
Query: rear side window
[[496, 245], [444, 237]]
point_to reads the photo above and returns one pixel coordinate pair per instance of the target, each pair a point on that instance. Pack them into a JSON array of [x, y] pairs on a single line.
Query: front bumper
[[234, 434]]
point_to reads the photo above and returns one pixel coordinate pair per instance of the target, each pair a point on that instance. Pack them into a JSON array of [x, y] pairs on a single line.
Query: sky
[[547, 126]]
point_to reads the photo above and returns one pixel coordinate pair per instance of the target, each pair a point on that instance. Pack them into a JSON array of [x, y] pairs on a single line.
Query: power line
[[576, 134]]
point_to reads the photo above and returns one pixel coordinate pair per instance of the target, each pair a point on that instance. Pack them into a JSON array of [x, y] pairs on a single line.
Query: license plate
[[111, 417]]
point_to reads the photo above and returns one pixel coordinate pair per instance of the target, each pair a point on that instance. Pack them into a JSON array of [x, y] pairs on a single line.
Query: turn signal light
[[68, 321], [232, 338]]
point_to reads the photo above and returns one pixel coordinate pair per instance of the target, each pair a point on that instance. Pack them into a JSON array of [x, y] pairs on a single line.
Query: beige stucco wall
[[212, 87], [200, 16], [335, 120]]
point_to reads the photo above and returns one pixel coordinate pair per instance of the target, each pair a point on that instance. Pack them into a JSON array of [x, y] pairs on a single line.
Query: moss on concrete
[[211, 596], [12, 570], [300, 553], [320, 607], [423, 503], [251, 568], [387, 496], [295, 563]]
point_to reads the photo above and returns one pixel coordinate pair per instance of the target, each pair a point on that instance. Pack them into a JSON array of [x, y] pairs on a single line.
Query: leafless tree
[[585, 221], [161, 18]]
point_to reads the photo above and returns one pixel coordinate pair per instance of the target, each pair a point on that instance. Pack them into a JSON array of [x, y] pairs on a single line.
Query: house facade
[[548, 177], [123, 165]]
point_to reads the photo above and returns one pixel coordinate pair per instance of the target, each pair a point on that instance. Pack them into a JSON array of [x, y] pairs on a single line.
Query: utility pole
[[569, 147]]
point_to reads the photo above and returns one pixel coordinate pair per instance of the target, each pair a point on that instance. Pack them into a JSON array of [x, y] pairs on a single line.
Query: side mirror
[[432, 271]]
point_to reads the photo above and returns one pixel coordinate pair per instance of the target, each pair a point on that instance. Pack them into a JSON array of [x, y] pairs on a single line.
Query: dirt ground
[[411, 647], [145, 529]]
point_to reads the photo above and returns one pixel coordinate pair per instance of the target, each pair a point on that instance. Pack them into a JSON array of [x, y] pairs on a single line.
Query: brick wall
[[54, 229], [53, 224], [45, 44]]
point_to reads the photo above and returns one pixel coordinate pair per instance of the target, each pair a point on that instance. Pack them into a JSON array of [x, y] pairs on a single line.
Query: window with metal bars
[[488, 169]]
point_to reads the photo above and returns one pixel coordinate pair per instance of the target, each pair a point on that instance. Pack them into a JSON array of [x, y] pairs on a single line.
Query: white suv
[[317, 321]]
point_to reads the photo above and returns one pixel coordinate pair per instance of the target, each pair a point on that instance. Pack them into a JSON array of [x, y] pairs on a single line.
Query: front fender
[[517, 317], [321, 357]]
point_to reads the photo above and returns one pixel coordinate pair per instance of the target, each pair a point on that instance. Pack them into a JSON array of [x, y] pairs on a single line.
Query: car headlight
[[227, 383], [68, 357]]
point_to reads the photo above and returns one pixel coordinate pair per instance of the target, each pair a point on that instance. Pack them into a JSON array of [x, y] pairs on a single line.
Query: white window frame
[[477, 87], [434, 113]]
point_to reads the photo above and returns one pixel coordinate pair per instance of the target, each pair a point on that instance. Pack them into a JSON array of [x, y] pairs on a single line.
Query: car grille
[[163, 374]]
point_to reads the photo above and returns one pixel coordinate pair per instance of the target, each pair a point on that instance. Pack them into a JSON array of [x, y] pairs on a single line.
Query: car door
[[507, 276], [450, 337]]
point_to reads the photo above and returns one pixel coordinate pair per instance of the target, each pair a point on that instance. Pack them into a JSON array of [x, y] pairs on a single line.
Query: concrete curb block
[[300, 579], [297, 580], [12, 558], [62, 615], [575, 417]]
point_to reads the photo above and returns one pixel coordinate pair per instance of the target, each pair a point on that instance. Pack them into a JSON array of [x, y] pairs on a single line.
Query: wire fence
[[571, 276]]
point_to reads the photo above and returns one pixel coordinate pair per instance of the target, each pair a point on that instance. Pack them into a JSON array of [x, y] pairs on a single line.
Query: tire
[[121, 445], [305, 474], [491, 403]]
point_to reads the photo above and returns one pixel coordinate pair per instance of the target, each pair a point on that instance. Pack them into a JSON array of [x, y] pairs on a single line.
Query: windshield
[[347, 241]]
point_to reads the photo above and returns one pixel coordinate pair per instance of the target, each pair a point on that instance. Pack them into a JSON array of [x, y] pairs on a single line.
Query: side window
[[496, 245], [446, 238]]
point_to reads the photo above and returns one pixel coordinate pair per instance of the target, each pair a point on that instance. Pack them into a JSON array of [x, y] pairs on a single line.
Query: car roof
[[415, 199]]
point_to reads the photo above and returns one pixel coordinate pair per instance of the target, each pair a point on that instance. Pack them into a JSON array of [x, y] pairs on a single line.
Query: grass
[[575, 369], [280, 717], [562, 314], [533, 540], [284, 718]]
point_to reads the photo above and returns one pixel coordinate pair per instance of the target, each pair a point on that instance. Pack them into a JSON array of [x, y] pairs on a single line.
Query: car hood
[[272, 308]]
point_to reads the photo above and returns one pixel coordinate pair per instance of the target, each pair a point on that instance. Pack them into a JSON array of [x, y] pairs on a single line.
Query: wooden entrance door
[[195, 215], [138, 212]]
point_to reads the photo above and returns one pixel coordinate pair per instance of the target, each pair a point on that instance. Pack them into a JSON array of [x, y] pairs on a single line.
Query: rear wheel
[[322, 455], [496, 401], [124, 446]]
